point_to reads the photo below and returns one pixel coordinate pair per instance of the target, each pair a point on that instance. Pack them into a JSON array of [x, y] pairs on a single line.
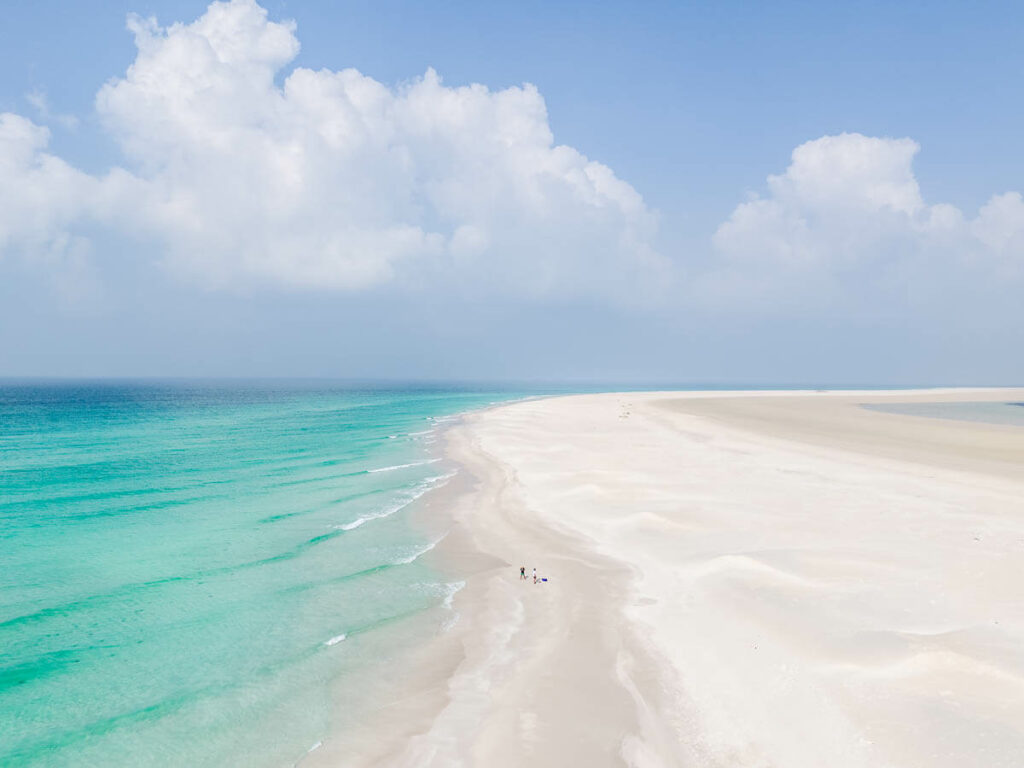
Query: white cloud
[[243, 171], [846, 224], [43, 200], [1000, 225], [331, 179]]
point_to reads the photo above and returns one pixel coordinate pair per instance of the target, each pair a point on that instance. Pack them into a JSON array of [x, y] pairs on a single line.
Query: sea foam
[[421, 488], [393, 467]]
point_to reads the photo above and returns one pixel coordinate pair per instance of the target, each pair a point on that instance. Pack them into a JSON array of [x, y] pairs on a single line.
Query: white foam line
[[443, 419], [312, 749], [452, 590], [419, 490], [404, 466], [336, 639], [422, 551], [367, 518]]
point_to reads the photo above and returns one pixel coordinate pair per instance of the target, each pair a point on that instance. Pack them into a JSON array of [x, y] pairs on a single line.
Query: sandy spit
[[735, 579]]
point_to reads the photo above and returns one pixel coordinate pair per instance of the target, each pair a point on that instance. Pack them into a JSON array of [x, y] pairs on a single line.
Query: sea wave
[[451, 590], [443, 419], [420, 489], [420, 551], [404, 466]]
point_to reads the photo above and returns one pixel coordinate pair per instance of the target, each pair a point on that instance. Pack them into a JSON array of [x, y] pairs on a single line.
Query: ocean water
[[986, 412], [190, 572]]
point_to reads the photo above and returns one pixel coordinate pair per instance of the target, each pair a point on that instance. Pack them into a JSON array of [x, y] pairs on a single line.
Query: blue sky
[[691, 105]]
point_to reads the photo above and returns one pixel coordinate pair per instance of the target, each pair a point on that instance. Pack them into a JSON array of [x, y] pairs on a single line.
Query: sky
[[726, 193]]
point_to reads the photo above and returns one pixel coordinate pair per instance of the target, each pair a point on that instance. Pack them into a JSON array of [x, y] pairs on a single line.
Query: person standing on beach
[[522, 573], [534, 575]]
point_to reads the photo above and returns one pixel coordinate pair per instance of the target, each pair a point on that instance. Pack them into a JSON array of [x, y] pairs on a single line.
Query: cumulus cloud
[[846, 222], [44, 201], [241, 170], [245, 173]]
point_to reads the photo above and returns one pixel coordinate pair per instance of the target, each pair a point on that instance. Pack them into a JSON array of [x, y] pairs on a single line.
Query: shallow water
[[989, 413], [191, 571]]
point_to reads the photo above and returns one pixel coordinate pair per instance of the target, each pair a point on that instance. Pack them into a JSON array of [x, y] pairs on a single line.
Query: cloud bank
[[846, 223], [329, 179], [240, 172]]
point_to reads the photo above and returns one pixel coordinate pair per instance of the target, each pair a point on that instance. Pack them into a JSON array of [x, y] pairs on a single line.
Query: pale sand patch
[[737, 579]]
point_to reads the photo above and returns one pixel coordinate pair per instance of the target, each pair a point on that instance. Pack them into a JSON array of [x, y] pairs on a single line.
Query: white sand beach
[[735, 579]]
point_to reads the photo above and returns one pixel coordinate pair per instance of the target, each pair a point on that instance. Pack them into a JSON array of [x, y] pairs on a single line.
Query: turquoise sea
[[191, 573]]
